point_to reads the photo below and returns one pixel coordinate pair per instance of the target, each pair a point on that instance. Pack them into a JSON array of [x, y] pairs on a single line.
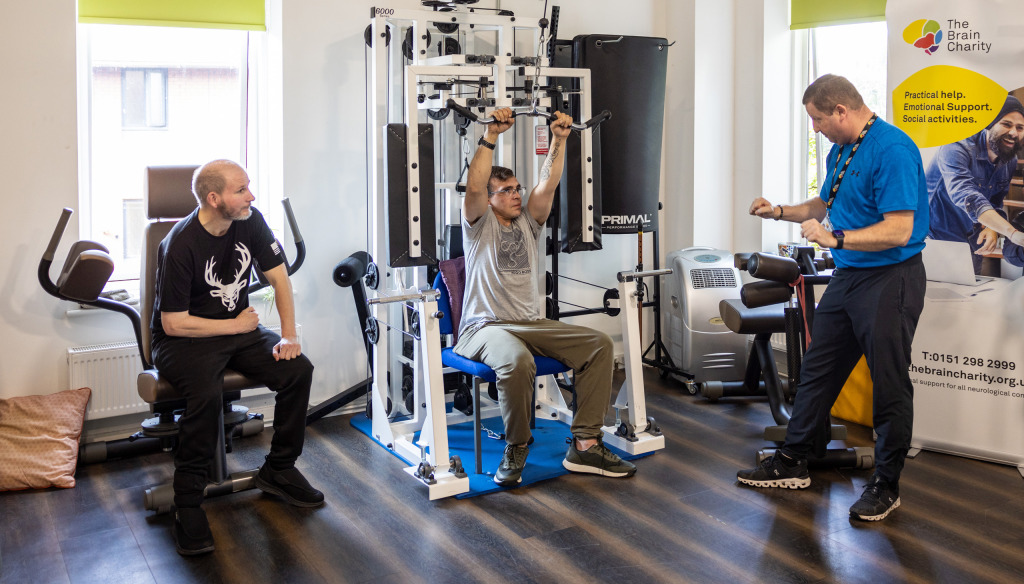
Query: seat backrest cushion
[[453, 273], [168, 191], [151, 238], [168, 197]]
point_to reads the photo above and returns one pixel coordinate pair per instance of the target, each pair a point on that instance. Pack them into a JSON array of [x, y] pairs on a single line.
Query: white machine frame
[[400, 289]]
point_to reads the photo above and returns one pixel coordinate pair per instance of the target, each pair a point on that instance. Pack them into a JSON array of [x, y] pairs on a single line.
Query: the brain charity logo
[[923, 34]]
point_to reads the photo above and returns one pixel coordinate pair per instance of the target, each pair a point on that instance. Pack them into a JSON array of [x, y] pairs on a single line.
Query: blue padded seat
[[479, 371], [545, 365], [449, 358]]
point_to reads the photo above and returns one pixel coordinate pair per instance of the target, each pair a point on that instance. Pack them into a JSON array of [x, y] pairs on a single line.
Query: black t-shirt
[[207, 275]]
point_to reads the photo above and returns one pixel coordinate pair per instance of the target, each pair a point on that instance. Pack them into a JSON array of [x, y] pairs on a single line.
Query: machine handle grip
[[58, 232], [462, 111], [594, 121], [290, 215]]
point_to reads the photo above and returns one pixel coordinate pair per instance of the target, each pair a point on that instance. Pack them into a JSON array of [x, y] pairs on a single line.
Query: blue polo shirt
[[962, 184], [885, 175]]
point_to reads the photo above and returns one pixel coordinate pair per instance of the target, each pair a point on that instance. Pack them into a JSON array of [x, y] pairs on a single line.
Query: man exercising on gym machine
[[501, 324]]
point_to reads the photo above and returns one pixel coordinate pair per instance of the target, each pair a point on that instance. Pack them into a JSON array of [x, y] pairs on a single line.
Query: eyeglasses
[[507, 191]]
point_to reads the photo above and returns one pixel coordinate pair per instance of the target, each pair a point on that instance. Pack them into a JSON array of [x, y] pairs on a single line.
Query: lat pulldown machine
[[477, 64]]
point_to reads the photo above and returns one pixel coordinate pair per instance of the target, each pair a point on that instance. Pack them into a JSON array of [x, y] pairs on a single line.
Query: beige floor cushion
[[39, 439]]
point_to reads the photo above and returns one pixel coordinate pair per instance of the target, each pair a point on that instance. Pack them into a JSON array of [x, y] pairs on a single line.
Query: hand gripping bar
[[532, 112]]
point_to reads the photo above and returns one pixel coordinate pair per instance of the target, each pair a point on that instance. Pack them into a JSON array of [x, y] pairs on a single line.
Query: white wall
[[715, 155], [678, 169], [39, 163], [324, 162]]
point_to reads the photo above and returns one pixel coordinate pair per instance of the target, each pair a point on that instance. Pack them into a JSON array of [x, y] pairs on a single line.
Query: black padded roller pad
[[764, 293], [350, 269], [752, 321], [773, 267], [397, 187], [740, 260]]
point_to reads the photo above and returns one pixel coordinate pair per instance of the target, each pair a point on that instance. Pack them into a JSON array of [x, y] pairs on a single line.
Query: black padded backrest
[[168, 198], [151, 238], [168, 193]]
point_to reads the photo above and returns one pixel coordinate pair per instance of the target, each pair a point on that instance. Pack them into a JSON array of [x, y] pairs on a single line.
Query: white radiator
[[112, 372]]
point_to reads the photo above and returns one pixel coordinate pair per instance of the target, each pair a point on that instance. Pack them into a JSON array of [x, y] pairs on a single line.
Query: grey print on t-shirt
[[512, 252]]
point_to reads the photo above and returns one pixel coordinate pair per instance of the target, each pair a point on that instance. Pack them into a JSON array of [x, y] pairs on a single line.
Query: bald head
[[211, 178]]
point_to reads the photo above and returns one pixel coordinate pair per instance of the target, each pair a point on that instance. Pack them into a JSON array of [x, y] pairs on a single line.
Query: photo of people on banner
[[956, 84], [969, 182]]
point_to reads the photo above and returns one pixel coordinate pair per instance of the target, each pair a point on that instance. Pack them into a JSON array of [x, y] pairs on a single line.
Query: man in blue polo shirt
[[968, 180], [873, 214]]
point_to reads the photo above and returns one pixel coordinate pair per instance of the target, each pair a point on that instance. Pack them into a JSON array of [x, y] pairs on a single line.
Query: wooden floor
[[682, 518]]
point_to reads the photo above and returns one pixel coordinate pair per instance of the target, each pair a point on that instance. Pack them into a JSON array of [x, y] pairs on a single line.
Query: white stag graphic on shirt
[[228, 293]]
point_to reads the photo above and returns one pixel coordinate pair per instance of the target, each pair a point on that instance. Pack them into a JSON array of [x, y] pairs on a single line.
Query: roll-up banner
[[956, 80]]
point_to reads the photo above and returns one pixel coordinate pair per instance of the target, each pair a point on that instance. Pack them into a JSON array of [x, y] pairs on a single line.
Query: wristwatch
[[839, 235], [485, 143]]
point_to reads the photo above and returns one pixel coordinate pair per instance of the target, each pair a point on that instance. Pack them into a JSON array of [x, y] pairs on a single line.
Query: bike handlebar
[[469, 115]]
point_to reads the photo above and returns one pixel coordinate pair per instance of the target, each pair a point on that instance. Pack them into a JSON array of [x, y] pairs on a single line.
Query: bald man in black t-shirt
[[203, 324]]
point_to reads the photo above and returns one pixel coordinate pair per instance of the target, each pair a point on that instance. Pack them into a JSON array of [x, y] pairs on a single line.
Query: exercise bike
[[84, 274]]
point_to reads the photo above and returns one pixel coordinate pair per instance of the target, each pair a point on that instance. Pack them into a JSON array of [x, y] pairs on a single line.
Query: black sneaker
[[290, 485], [597, 460], [775, 472], [192, 533], [510, 471], [880, 498]]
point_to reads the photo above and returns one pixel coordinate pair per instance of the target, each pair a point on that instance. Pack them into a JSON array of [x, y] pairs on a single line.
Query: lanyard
[[837, 174]]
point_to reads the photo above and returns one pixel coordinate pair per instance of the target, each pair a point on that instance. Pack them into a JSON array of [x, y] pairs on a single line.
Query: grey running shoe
[[597, 460], [880, 498], [774, 472], [510, 471]]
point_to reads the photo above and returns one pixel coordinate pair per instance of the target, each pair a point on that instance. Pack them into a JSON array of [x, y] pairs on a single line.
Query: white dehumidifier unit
[[699, 343]]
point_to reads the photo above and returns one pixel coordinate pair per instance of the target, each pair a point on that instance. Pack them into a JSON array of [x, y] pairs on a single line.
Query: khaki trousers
[[508, 348]]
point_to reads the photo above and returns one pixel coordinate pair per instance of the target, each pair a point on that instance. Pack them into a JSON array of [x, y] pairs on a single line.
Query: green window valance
[[814, 13], [231, 14]]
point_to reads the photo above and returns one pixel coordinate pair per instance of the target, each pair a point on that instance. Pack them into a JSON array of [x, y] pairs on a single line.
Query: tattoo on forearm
[[545, 171]]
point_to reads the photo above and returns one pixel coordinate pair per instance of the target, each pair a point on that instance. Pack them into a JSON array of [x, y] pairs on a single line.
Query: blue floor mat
[[544, 462]]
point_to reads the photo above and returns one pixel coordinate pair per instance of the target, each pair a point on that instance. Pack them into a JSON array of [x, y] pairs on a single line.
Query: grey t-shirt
[[501, 279]]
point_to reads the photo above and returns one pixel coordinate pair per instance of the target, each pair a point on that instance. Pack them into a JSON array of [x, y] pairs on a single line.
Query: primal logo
[[228, 293], [924, 34], [643, 219]]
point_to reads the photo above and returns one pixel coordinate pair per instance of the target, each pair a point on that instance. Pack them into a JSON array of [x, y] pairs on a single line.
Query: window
[[152, 95], [143, 98], [857, 52]]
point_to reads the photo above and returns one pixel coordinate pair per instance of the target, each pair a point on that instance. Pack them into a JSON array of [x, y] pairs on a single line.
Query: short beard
[[234, 218], [1002, 157]]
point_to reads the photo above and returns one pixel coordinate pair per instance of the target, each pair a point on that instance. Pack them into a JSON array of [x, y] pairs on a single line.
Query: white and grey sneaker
[[777, 471], [880, 498], [597, 460], [510, 471]]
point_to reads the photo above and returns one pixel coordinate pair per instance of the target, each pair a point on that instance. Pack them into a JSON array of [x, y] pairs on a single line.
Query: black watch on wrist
[[485, 143], [839, 235]]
